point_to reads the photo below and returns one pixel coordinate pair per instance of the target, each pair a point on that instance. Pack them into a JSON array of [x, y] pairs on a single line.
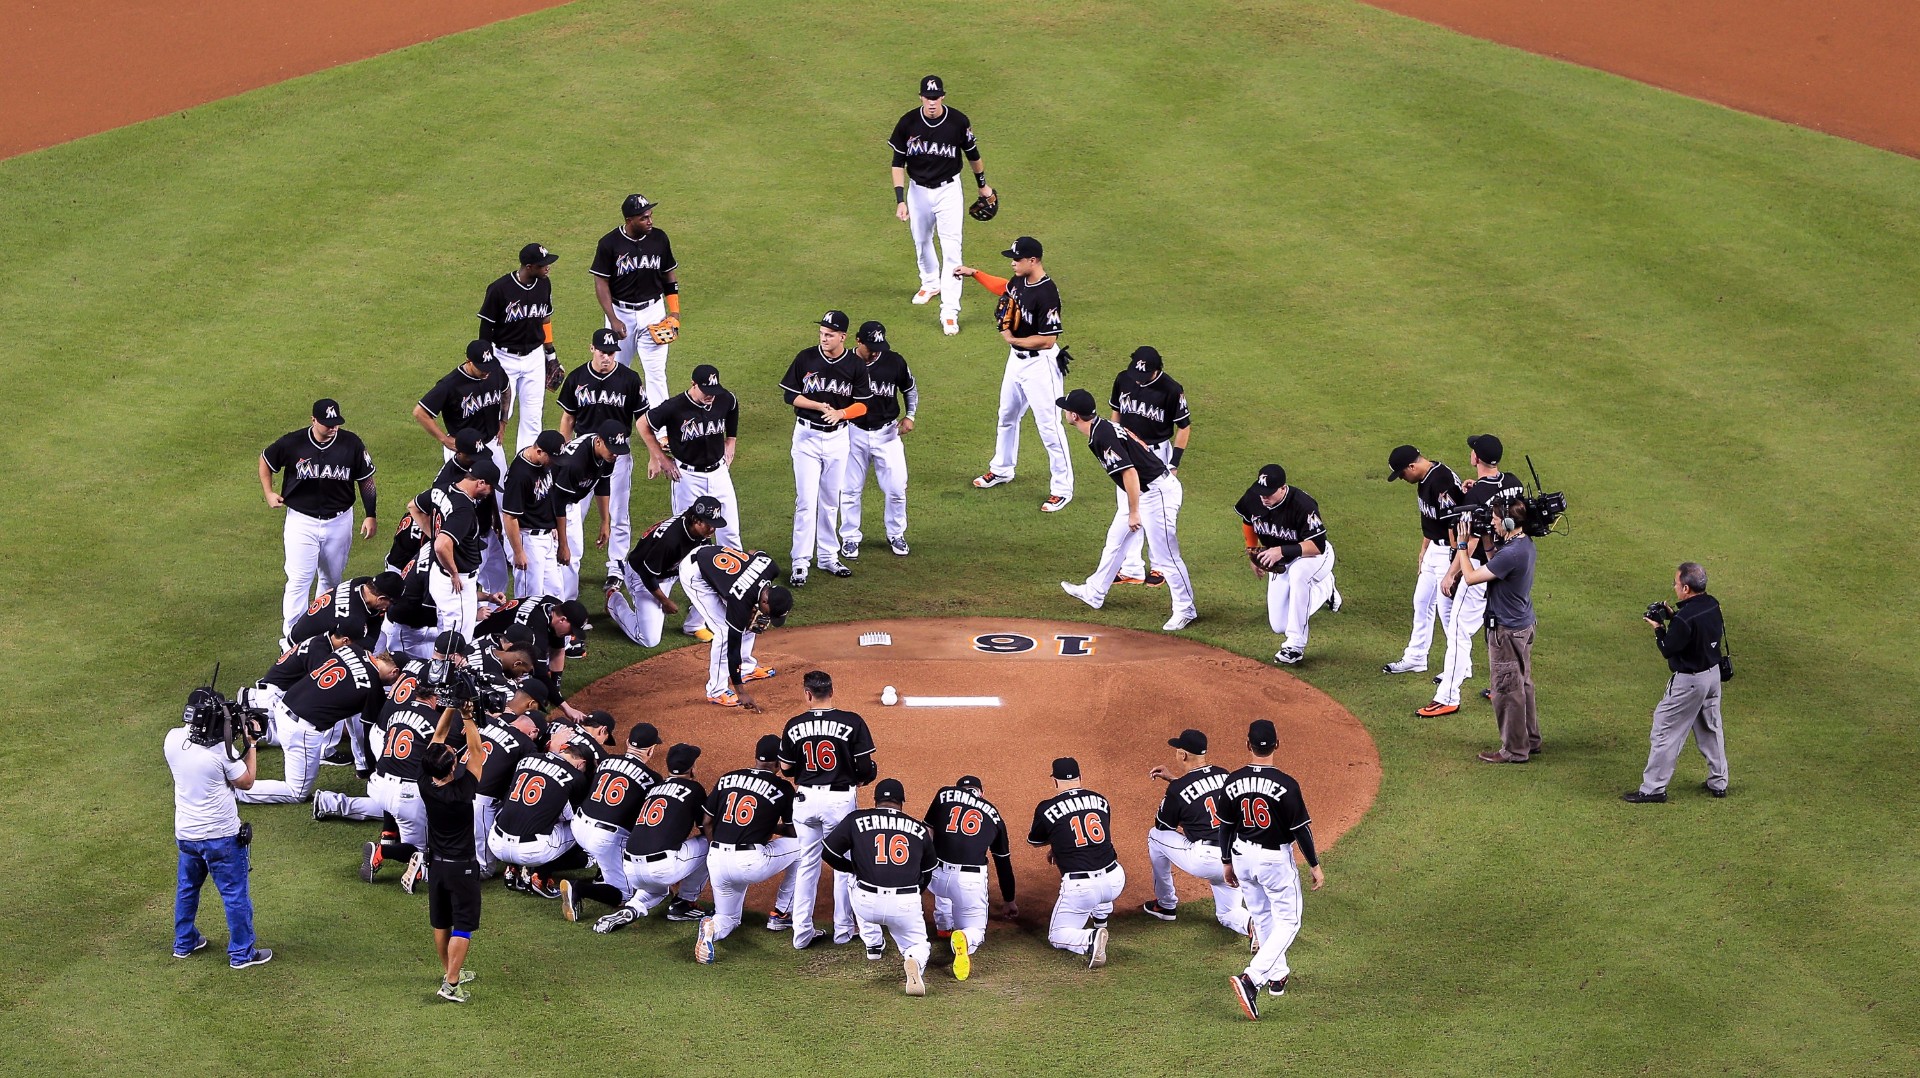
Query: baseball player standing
[[472, 397], [595, 394], [889, 855], [457, 546], [927, 145], [1153, 408], [1029, 318], [1262, 817], [532, 520], [323, 463], [1078, 826], [583, 470], [1287, 543], [827, 387], [700, 428], [966, 829], [634, 279], [737, 596], [516, 318], [1186, 832], [1469, 612], [665, 850], [749, 822], [654, 567], [876, 441], [1434, 489], [1149, 503], [828, 753]]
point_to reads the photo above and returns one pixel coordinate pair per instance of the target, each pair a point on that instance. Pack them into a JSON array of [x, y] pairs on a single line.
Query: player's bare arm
[[1132, 482], [600, 502], [727, 458], [274, 501], [1180, 436], [563, 555], [658, 463], [511, 525], [443, 553], [604, 294], [899, 187], [431, 424]]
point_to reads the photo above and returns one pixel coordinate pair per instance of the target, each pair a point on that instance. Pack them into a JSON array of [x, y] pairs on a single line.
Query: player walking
[[1149, 503], [1152, 407], [828, 753], [1287, 543], [323, 463], [531, 518], [606, 820], [516, 319], [737, 596], [599, 395], [1262, 817], [1469, 600], [1186, 832], [890, 856], [665, 850], [1078, 826], [927, 145], [749, 820], [699, 428], [827, 387], [1030, 324], [654, 566], [876, 441], [966, 829], [635, 281], [583, 470]]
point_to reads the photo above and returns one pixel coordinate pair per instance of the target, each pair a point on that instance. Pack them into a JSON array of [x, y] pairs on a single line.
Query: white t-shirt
[[203, 803]]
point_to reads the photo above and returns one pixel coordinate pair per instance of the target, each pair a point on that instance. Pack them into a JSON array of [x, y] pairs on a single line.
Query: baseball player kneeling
[[1186, 832], [966, 828], [890, 856], [1078, 826], [749, 822], [653, 567], [606, 819], [326, 681], [666, 853], [533, 829]]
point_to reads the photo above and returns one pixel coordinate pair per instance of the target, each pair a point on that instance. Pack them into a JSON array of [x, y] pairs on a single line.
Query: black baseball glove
[[985, 207]]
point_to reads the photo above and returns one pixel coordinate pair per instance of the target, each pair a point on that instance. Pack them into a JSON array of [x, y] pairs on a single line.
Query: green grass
[[1345, 229]]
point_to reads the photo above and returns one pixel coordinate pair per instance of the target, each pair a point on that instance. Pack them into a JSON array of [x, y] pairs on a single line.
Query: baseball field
[[1344, 228]]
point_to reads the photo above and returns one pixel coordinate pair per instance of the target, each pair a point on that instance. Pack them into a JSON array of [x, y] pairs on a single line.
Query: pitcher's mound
[[1000, 698]]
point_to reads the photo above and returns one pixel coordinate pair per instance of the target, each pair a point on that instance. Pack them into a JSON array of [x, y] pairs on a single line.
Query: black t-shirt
[[592, 398], [339, 684], [636, 269], [1117, 452], [888, 379], [342, 610], [966, 827], [1261, 805], [930, 150], [409, 728], [838, 381], [1192, 804], [512, 314], [503, 748], [455, 514], [1295, 520], [1078, 824], [542, 788], [620, 785], [319, 480], [1436, 495], [657, 556], [450, 815], [527, 495], [579, 473], [883, 847], [1150, 409], [748, 805], [1039, 306], [696, 434], [464, 402], [826, 747], [668, 815]]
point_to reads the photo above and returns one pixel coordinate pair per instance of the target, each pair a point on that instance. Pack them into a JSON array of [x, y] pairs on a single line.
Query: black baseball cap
[[680, 758], [467, 440], [614, 433], [535, 255], [1271, 478], [574, 611], [932, 87], [1192, 741], [485, 470], [536, 690], [1066, 767], [634, 205], [1486, 447], [550, 441], [327, 411], [1024, 247], [768, 747], [890, 790], [605, 341], [1079, 402], [479, 353], [835, 320], [601, 720], [449, 642], [388, 585], [706, 376], [779, 603], [516, 637], [643, 735], [1146, 359], [1261, 735], [707, 507], [872, 334], [970, 782], [1399, 460]]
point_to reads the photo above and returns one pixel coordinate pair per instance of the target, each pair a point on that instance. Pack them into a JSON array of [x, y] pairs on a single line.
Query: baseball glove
[[1006, 314], [556, 374], [665, 330], [984, 207]]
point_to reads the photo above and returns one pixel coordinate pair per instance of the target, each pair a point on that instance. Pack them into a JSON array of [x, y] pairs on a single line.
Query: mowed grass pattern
[[1345, 230]]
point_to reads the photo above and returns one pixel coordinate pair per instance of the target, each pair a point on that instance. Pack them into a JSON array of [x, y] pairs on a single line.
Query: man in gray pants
[[1689, 635]]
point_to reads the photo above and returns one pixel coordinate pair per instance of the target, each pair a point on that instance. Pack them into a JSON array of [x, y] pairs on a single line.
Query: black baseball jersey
[[342, 610], [339, 684], [293, 663], [409, 729], [1078, 824], [1483, 490], [579, 473], [657, 556], [1262, 805], [748, 805], [487, 511], [405, 688], [1295, 520], [408, 539], [1039, 305], [512, 314], [930, 150], [636, 269], [464, 402], [737, 577], [1153, 410], [595, 749], [967, 828], [455, 515], [620, 785], [888, 379], [882, 847], [1117, 452], [504, 747], [543, 786], [319, 480], [1192, 804], [838, 381], [527, 495], [696, 434], [826, 747], [592, 398], [533, 611], [668, 816], [1436, 496]]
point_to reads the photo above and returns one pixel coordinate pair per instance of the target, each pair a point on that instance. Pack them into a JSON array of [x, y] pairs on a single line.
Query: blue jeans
[[226, 861]]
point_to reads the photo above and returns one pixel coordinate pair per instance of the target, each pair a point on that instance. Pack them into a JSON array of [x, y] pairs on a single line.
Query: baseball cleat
[[318, 812], [1486, 694], [779, 921], [702, 634], [916, 985], [1155, 909], [681, 910], [1097, 954], [797, 578], [950, 325], [850, 551], [988, 480], [876, 951], [703, 944], [1288, 656], [615, 921], [1279, 987], [1335, 602], [962, 958], [1635, 797], [834, 568], [369, 861], [1080, 592], [1178, 622], [1436, 678], [193, 950], [416, 868], [568, 908], [260, 957], [1721, 792], [725, 699], [759, 673], [1403, 666], [899, 545], [1054, 503], [542, 886], [1436, 709], [921, 297], [1245, 991], [576, 649]]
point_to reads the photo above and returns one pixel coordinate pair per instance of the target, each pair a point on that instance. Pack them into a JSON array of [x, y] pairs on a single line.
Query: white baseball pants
[[1167, 849], [542, 576], [719, 484], [526, 392], [819, 471], [931, 212], [1428, 601], [387, 795], [619, 522], [1159, 512], [960, 901], [816, 812], [1033, 382], [886, 454], [656, 876], [496, 569], [901, 916], [1132, 561], [1294, 595], [455, 610], [484, 810], [406, 640], [534, 852], [642, 617], [301, 747], [714, 610], [608, 848], [1469, 613], [1080, 901], [639, 344], [1271, 885], [733, 871], [316, 559]]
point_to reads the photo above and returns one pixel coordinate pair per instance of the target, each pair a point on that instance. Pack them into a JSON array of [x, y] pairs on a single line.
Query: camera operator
[[453, 881], [1508, 575], [1689, 636], [1469, 599], [207, 829]]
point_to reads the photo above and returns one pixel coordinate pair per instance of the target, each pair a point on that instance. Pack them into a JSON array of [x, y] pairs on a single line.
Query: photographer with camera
[[1508, 576], [453, 880], [206, 825], [1469, 597], [1690, 636]]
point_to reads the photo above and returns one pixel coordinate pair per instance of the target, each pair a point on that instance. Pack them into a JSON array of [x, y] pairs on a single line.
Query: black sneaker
[[1721, 792], [681, 910], [1155, 909], [1247, 993], [1277, 988], [1635, 797]]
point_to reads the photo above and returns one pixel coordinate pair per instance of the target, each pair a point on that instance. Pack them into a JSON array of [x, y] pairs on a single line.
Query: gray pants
[[1692, 703]]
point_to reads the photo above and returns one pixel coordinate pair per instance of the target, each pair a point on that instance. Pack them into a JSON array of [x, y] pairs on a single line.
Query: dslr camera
[[1659, 612]]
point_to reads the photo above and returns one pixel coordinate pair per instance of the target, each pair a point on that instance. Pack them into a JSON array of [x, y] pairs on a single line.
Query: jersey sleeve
[[1248, 507], [1168, 816], [1315, 530], [1181, 417], [603, 257], [569, 395], [1113, 455], [789, 752], [513, 499], [435, 399], [276, 455], [667, 262], [795, 377], [362, 467], [733, 418], [492, 307], [660, 415], [837, 851], [1038, 834], [1119, 383], [897, 141], [862, 741]]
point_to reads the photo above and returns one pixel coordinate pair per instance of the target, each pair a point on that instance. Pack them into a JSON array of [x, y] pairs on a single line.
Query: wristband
[[547, 330], [980, 178], [1178, 452], [673, 303], [1289, 551], [899, 195]]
